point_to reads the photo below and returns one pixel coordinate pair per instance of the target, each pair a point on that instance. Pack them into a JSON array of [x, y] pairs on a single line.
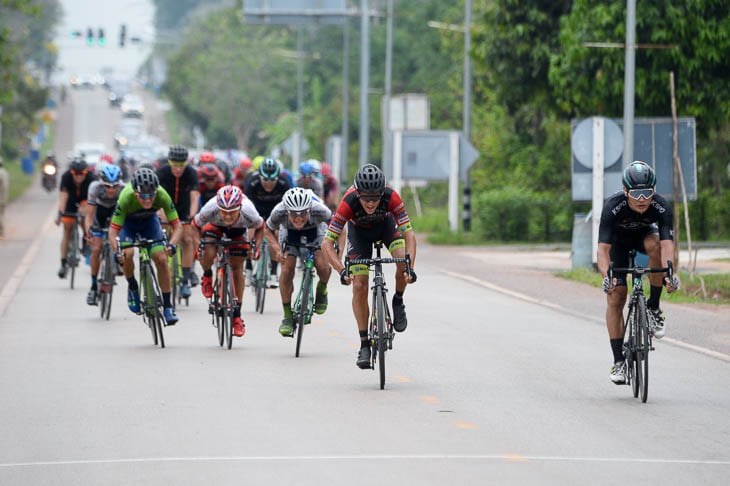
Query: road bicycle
[[74, 247], [175, 263], [637, 331], [261, 276], [304, 303], [224, 300], [107, 276], [380, 328], [151, 304]]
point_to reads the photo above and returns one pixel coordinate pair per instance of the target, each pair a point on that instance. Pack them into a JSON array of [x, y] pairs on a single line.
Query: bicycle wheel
[[304, 303], [157, 310], [175, 290], [73, 254], [642, 351], [261, 278], [218, 307], [228, 302], [630, 349], [381, 341], [147, 304], [106, 287]]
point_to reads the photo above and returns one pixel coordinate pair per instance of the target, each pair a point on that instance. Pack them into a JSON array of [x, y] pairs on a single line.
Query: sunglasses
[[639, 193], [298, 214], [110, 185], [268, 179], [146, 196], [79, 172], [177, 163], [229, 212], [370, 197]]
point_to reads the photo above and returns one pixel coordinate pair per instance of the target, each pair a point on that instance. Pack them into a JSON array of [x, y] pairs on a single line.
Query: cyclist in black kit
[[180, 181], [266, 188], [635, 218]]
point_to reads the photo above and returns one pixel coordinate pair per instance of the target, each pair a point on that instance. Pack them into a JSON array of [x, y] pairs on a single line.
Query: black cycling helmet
[[177, 153], [639, 175], [145, 181], [370, 180], [78, 164], [269, 169]]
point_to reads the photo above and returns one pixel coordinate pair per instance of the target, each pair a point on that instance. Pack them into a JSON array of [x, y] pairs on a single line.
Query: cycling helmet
[[245, 164], [269, 169], [316, 166], [638, 175], [106, 158], [208, 171], [177, 153], [229, 198], [78, 164], [145, 181], [297, 199], [206, 158], [256, 163], [369, 179], [326, 169], [306, 168], [110, 174]]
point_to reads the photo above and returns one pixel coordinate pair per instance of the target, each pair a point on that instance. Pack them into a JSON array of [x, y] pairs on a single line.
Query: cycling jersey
[[104, 201], [179, 188], [263, 200], [618, 220], [312, 183], [351, 211], [129, 209], [210, 214], [76, 194], [317, 215]]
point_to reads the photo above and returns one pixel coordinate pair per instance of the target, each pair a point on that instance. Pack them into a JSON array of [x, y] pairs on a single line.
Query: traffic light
[[122, 35], [102, 39], [90, 36], [75, 34]]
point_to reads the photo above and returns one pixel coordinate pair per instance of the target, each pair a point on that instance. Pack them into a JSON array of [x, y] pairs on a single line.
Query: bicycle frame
[[380, 327], [261, 277], [107, 272], [224, 301], [638, 339], [304, 303], [74, 246]]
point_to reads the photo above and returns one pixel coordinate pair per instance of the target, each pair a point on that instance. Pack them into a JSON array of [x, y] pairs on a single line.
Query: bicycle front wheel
[[218, 308], [153, 308], [381, 340], [73, 254], [227, 305], [305, 302], [642, 350], [106, 287]]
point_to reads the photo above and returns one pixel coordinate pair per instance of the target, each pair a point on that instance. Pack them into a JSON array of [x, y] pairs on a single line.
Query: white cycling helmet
[[297, 199]]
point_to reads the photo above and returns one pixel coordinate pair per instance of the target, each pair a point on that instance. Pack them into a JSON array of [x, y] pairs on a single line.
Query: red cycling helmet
[[206, 157], [245, 164], [326, 169], [107, 158], [208, 171], [229, 198]]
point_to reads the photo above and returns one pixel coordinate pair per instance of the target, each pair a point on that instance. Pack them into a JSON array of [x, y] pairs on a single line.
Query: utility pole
[[364, 83], [466, 111], [629, 82]]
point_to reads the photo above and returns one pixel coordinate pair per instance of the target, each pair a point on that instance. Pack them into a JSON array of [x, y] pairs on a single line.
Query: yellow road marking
[[401, 379], [466, 425], [515, 457], [431, 400]]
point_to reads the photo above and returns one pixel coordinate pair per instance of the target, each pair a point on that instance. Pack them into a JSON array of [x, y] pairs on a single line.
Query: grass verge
[[713, 288]]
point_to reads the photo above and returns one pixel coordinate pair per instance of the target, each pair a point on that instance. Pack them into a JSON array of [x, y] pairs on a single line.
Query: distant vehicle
[[141, 151], [82, 81], [117, 90], [91, 151], [130, 130], [132, 104]]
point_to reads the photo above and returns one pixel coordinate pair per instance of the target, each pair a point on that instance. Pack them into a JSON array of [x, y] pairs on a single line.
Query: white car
[[91, 151], [132, 105]]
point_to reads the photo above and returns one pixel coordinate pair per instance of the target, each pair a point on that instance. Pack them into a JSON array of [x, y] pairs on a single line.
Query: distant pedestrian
[[4, 195]]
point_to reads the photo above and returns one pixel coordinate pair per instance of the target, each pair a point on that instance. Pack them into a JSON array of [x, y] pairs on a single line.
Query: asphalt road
[[501, 378]]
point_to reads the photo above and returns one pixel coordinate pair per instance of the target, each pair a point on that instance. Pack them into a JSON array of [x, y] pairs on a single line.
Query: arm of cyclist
[[274, 246], [62, 201], [603, 260], [667, 249], [410, 238], [89, 220], [258, 237]]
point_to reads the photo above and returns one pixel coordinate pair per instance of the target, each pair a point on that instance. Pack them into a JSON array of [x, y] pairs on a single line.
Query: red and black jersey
[[351, 211], [76, 194]]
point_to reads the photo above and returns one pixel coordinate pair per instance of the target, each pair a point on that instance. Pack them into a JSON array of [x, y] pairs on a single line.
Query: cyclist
[[308, 178], [103, 196], [181, 182], [230, 213], [136, 215], [221, 165], [303, 219], [241, 173], [330, 186], [636, 218], [72, 195], [211, 180], [265, 188], [373, 212]]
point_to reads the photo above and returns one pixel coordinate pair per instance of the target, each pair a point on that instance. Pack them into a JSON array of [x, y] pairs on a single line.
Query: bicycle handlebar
[[222, 242], [669, 270], [373, 261]]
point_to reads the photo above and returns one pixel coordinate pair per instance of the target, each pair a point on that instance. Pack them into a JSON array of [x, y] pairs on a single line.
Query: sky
[[76, 57]]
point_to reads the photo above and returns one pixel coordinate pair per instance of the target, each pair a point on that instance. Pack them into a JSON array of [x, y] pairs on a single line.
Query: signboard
[[297, 12], [653, 143]]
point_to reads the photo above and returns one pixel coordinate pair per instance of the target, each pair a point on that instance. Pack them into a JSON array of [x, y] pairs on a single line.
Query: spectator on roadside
[[4, 195]]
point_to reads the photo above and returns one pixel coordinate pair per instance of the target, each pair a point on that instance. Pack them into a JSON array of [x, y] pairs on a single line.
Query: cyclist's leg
[[615, 302], [210, 232], [652, 247], [187, 249], [360, 245], [127, 236]]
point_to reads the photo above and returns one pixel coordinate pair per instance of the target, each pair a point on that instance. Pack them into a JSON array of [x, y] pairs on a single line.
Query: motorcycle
[[49, 177]]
